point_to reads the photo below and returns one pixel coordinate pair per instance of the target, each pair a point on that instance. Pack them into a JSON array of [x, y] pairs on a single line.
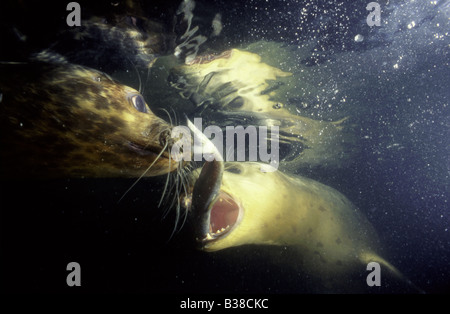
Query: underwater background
[[393, 83]]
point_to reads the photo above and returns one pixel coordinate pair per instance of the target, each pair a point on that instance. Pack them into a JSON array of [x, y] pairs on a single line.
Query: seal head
[[63, 120]]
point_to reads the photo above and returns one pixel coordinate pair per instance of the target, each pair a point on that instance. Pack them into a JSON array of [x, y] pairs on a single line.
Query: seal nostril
[[165, 138]]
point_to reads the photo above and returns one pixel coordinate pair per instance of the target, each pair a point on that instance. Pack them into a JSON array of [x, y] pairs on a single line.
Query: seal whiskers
[[166, 145], [176, 183], [145, 172], [179, 185], [138, 75], [168, 174]]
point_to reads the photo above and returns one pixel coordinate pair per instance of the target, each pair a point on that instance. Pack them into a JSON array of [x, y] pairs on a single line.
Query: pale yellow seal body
[[238, 87], [333, 241]]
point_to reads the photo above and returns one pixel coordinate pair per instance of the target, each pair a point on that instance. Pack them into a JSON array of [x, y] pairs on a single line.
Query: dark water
[[395, 84]]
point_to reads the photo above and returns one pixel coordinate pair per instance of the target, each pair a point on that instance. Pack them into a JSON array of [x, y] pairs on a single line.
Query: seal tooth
[[210, 234], [218, 231]]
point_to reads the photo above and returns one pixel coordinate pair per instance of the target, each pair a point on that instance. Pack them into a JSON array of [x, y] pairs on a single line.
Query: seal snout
[[216, 212]]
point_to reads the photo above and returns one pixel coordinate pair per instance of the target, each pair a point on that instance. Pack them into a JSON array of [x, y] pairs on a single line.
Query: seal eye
[[139, 103]]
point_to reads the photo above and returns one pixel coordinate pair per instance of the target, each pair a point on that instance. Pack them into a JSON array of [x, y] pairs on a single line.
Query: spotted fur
[[58, 119]]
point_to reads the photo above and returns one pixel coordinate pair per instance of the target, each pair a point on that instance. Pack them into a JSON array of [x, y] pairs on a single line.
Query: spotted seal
[[58, 119]]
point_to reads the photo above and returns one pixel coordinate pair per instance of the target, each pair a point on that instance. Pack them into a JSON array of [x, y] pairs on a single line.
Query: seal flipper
[[392, 272]]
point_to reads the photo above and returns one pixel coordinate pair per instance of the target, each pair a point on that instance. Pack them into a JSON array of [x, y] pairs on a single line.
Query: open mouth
[[214, 211], [223, 217]]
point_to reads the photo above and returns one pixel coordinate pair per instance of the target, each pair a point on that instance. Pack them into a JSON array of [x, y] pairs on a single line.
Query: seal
[[235, 204], [237, 86], [58, 120], [124, 36]]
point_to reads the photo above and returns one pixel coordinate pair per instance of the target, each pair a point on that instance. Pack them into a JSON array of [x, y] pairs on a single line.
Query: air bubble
[[359, 38]]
